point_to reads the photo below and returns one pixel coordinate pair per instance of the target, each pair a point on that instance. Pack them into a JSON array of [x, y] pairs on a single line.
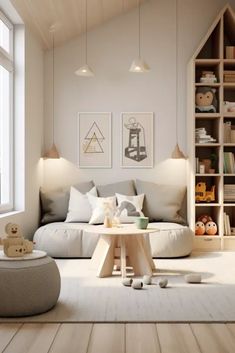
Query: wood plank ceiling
[[68, 15]]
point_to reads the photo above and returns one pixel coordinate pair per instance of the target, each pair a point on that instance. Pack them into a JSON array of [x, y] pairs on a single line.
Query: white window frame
[[7, 61]]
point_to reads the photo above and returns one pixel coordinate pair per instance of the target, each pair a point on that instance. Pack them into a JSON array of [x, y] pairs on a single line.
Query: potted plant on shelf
[[213, 158]]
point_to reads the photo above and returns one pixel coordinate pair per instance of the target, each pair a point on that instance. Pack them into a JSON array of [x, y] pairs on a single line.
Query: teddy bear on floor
[[205, 100], [14, 245]]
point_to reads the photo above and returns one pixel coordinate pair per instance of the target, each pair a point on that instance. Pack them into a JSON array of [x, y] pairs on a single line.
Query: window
[[6, 110]]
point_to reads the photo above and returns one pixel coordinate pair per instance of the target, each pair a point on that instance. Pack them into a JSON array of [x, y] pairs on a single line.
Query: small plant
[[213, 158]]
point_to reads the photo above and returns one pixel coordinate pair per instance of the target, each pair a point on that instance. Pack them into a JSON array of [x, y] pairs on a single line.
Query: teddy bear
[[205, 100], [14, 245]]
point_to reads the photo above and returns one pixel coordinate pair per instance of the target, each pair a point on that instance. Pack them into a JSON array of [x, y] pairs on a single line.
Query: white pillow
[[79, 209], [129, 207], [98, 207]]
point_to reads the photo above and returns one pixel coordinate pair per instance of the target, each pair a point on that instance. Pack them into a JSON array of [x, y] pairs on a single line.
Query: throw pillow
[[129, 207], [54, 204], [98, 205], [79, 207], [162, 202], [126, 187]]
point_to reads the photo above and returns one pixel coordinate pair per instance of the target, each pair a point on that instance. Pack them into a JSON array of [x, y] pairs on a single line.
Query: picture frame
[[137, 144], [94, 131]]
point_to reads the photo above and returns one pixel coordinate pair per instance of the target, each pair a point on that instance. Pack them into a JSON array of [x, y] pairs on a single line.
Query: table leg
[[104, 255], [123, 255], [148, 251], [138, 255]]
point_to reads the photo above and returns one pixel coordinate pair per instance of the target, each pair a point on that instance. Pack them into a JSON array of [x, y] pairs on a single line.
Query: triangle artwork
[[93, 140]]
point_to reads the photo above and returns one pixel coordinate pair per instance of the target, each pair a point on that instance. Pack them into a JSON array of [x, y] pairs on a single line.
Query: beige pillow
[[162, 202]]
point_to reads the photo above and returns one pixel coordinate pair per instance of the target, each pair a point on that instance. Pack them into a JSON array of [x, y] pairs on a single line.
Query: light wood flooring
[[117, 338]]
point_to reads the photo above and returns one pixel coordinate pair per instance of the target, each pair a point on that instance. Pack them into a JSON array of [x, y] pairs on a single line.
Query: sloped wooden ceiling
[[39, 15]]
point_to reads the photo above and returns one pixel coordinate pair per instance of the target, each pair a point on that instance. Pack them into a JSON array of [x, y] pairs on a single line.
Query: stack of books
[[229, 76], [229, 193], [229, 163], [227, 227], [230, 52], [227, 131], [208, 77], [201, 136]]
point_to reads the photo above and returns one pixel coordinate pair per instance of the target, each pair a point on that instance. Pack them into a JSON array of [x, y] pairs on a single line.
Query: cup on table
[[142, 222]]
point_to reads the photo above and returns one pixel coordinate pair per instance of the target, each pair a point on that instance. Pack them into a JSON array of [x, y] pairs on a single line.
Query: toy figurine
[[211, 228], [201, 195], [205, 99], [14, 245], [200, 228]]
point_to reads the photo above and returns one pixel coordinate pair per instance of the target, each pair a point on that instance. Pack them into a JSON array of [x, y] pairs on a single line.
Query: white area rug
[[86, 298]]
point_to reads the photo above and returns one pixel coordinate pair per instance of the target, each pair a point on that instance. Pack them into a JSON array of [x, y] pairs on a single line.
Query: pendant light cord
[[139, 26], [86, 32], [176, 67], [53, 85]]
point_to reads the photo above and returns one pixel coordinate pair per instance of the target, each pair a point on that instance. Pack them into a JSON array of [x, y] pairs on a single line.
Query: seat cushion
[[72, 240]]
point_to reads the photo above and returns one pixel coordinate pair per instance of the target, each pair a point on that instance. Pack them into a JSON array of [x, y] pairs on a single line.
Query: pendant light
[[139, 65], [177, 153], [53, 152], [85, 70]]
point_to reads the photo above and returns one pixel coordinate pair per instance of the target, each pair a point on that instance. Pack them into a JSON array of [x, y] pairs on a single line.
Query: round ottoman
[[28, 287]]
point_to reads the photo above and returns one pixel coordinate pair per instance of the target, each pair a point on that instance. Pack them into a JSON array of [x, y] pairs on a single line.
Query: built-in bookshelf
[[212, 134]]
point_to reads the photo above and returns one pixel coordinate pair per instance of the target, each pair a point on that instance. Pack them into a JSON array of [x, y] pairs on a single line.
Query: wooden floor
[[117, 338]]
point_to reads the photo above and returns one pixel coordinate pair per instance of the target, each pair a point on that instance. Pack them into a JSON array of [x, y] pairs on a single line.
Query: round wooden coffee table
[[133, 245]]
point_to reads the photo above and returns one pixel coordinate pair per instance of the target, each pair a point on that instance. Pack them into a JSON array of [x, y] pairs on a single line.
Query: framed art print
[[94, 140], [137, 140]]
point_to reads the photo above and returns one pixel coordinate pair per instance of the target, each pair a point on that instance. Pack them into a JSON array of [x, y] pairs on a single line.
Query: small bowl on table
[[142, 222]]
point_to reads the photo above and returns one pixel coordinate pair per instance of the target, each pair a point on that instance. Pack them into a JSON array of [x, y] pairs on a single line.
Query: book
[[230, 52], [228, 224], [225, 224]]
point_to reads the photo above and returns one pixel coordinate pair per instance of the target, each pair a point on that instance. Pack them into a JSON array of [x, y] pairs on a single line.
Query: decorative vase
[[107, 222]]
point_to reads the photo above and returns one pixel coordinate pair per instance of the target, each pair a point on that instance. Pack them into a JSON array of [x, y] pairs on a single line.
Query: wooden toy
[[202, 195], [200, 228], [163, 283], [137, 284], [14, 245], [127, 282], [147, 279], [193, 278]]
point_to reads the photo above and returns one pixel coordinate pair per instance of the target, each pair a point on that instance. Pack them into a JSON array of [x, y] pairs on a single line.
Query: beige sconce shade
[[52, 153], [139, 65], [177, 153]]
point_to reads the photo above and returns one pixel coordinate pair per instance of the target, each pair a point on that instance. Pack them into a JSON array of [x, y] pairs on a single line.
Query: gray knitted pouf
[[28, 287]]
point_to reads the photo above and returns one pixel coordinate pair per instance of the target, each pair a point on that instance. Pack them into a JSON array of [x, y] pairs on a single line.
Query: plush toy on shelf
[[205, 100], [203, 195], [14, 245], [205, 225]]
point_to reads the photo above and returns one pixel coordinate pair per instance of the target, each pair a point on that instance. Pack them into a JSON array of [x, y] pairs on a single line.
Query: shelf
[[210, 204], [230, 85], [229, 204], [229, 175], [229, 236], [229, 115], [207, 175], [209, 236], [229, 62], [207, 62], [215, 144], [208, 84], [207, 115]]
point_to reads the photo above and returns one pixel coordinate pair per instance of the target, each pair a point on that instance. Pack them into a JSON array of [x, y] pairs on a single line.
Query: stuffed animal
[[205, 100], [14, 245], [211, 228], [205, 218], [200, 228]]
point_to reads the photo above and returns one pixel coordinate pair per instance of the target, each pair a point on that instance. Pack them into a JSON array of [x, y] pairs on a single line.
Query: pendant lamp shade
[[177, 153], [52, 153], [85, 70], [138, 65]]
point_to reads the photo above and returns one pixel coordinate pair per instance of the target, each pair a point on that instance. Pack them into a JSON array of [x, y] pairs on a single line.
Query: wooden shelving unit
[[211, 56]]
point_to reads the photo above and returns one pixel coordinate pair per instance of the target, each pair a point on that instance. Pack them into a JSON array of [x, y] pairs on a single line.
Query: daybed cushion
[[162, 202], [69, 240], [126, 187], [54, 204]]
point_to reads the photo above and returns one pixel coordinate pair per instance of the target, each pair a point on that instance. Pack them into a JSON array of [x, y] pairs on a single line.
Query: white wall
[[111, 50], [33, 131]]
